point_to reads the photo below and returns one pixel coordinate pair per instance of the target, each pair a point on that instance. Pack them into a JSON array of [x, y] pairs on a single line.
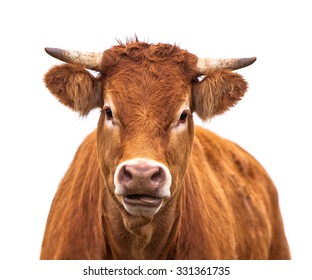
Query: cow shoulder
[[223, 154], [243, 191], [74, 211]]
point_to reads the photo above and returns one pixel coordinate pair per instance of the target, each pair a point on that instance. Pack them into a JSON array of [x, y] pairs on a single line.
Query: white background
[[39, 136]]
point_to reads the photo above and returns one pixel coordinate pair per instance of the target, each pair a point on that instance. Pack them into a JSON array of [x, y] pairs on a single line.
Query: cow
[[148, 183]]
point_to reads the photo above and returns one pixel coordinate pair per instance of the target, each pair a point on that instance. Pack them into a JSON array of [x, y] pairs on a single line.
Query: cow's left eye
[[183, 117]]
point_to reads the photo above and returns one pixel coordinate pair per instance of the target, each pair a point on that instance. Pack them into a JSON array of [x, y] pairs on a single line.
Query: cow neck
[[130, 237]]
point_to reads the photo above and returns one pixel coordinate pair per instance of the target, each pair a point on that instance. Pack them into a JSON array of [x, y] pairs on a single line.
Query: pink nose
[[142, 176]]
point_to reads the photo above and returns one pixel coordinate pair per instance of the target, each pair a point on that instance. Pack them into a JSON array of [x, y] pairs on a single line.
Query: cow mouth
[[142, 200]]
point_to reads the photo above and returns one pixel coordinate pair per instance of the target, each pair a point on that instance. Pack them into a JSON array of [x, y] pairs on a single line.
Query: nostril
[[124, 175], [158, 176]]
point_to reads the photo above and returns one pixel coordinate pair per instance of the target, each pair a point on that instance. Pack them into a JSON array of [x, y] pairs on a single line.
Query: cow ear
[[217, 92], [75, 87]]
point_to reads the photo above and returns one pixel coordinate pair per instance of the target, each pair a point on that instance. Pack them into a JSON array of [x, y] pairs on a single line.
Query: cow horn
[[89, 60], [206, 64]]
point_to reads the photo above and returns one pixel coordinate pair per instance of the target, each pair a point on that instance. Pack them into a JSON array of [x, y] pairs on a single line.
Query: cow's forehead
[[159, 89], [148, 84]]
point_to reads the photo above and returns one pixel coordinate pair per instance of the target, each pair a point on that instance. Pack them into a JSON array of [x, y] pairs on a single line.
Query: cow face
[[145, 133], [147, 94]]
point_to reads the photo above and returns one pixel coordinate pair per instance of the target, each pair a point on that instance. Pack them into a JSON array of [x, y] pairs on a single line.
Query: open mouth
[[142, 200]]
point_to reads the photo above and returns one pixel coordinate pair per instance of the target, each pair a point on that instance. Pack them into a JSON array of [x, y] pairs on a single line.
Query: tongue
[[148, 199]]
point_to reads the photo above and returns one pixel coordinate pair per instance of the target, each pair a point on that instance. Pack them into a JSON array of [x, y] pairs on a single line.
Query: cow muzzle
[[142, 184]]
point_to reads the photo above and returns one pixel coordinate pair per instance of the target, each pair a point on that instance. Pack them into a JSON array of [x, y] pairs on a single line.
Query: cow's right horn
[[206, 64], [89, 60]]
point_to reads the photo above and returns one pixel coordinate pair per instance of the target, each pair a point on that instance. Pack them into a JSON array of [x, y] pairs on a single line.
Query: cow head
[[147, 94]]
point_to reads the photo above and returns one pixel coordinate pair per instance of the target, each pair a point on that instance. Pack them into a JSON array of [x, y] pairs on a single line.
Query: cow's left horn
[[206, 64], [90, 60]]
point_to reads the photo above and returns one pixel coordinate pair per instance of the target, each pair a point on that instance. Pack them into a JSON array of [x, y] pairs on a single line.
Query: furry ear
[[217, 92], [75, 87]]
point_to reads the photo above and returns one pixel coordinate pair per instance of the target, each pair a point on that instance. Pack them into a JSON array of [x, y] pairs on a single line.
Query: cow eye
[[183, 117], [108, 113]]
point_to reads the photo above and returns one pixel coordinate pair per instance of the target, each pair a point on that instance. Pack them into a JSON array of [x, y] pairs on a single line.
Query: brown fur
[[75, 87], [223, 204], [219, 91]]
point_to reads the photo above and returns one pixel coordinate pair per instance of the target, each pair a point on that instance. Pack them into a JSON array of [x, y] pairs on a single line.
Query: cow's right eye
[[109, 113]]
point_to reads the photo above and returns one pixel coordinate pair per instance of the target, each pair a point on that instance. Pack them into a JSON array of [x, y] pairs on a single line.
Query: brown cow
[[148, 184]]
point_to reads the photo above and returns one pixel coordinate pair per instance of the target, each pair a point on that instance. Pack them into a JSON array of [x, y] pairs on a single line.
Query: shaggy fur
[[219, 91], [223, 204]]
